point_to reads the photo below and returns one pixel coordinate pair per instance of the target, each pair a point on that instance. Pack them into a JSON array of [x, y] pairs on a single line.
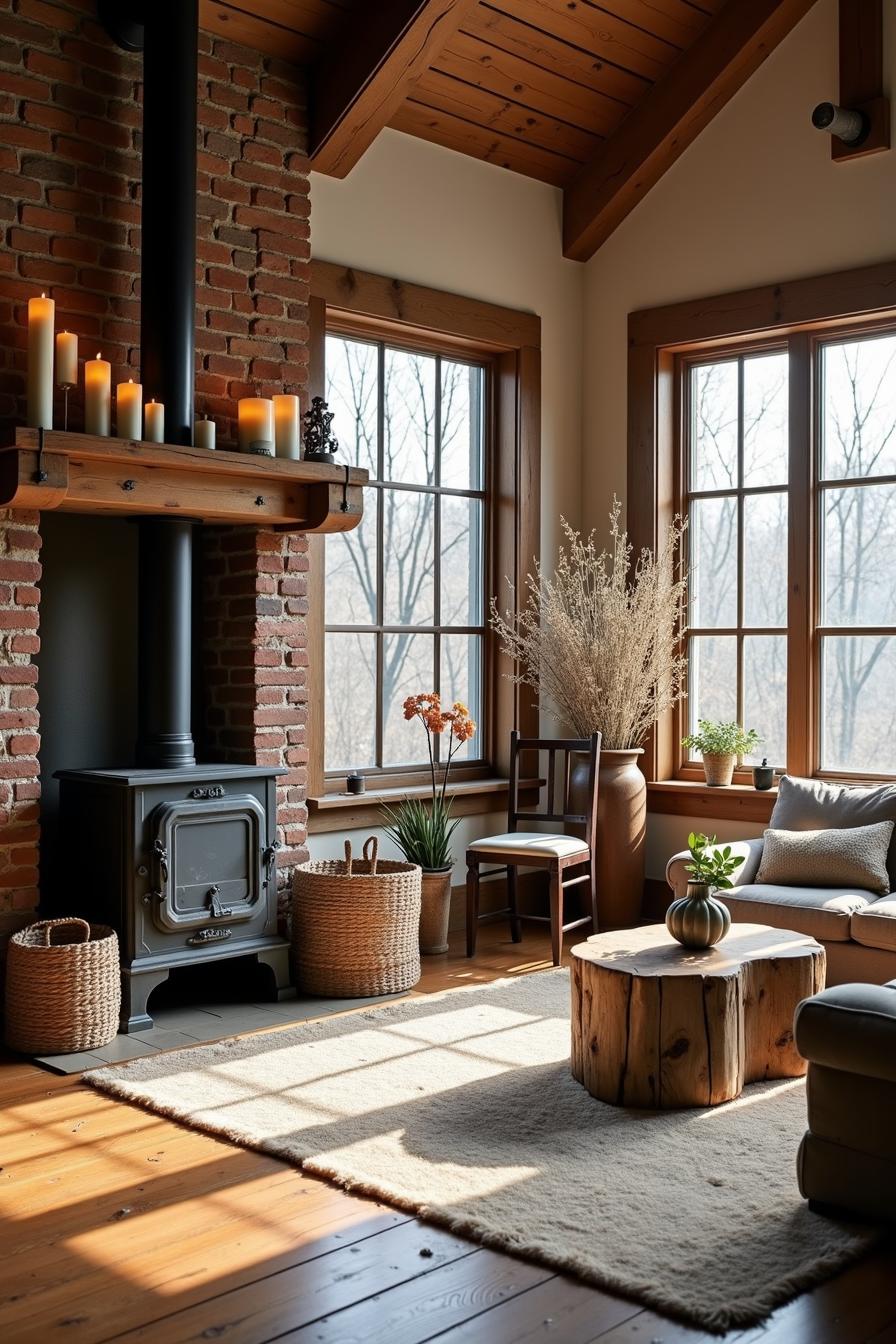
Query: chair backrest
[[558, 807]]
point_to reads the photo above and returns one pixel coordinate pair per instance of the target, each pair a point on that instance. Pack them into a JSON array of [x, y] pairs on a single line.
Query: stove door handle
[[161, 853]]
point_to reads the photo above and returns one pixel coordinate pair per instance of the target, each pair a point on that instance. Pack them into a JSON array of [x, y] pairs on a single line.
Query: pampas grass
[[600, 640]]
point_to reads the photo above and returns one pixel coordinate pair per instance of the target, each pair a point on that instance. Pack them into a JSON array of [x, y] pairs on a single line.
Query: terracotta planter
[[621, 829], [698, 919], [718, 768], [435, 908]]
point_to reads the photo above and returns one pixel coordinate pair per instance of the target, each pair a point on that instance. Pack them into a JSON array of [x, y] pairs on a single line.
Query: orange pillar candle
[[66, 359], [98, 396], [129, 410], [286, 425], [256, 425], [41, 315], [154, 413]]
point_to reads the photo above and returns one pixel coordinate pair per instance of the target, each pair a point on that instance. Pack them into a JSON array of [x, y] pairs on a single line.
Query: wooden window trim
[[359, 303], [798, 313]]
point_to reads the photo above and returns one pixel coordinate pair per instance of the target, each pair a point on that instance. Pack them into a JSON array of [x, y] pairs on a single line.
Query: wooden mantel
[[77, 473]]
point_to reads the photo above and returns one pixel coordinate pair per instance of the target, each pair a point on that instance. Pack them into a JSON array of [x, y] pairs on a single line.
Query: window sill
[[695, 798], [351, 811]]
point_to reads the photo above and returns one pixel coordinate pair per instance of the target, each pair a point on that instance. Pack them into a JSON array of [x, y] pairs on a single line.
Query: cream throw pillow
[[854, 856]]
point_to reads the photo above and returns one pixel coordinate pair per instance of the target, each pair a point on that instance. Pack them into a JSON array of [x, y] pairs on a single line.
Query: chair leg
[[556, 917], [516, 927], [592, 887], [472, 905]]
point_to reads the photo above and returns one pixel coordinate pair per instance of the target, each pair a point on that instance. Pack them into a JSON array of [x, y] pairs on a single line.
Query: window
[[406, 593]]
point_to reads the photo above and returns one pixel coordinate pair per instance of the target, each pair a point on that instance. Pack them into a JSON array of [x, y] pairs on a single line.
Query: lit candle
[[98, 396], [41, 313], [286, 425], [129, 410], [66, 359], [154, 429], [256, 425], [204, 433]]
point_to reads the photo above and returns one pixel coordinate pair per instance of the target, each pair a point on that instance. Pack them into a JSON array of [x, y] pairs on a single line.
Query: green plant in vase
[[721, 745], [697, 919]]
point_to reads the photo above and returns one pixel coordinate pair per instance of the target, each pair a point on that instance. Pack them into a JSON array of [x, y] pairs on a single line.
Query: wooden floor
[[118, 1225]]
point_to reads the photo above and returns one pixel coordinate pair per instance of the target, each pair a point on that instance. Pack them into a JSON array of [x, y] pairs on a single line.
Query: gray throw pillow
[[814, 805], [846, 857]]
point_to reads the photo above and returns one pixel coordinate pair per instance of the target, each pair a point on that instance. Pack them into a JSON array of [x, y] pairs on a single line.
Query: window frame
[[802, 315], [368, 306]]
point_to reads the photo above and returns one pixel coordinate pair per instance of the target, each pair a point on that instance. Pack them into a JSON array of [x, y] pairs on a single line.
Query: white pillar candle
[[154, 419], [41, 314], [256, 425], [286, 425], [98, 396], [66, 359], [129, 410], [204, 433]]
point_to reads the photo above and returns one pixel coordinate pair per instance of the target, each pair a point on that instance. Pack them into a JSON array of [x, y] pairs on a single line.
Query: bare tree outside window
[[405, 592]]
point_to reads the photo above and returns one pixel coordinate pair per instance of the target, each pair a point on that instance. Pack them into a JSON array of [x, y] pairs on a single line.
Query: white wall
[[755, 199], [427, 215]]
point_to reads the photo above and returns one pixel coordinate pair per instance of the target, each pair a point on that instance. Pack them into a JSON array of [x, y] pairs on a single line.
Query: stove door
[[208, 860]]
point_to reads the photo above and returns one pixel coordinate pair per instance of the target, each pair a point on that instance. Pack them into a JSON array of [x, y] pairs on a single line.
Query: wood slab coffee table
[[660, 1025]]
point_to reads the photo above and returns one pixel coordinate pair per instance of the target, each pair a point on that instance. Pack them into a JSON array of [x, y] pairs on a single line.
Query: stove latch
[[269, 860], [216, 907]]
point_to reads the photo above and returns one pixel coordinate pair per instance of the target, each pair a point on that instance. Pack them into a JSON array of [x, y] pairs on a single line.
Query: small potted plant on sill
[[423, 830], [721, 745], [697, 919]]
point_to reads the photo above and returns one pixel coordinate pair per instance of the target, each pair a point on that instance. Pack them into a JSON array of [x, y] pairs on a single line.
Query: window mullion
[[740, 541], [802, 704], [380, 549]]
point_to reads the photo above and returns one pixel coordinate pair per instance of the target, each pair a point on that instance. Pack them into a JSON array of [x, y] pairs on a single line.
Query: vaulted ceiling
[[597, 97]]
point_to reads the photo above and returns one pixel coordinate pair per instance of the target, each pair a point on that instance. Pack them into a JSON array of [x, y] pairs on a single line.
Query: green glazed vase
[[698, 919]]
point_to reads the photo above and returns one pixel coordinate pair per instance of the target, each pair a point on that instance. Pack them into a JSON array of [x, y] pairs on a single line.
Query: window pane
[[461, 456], [713, 531], [858, 538], [765, 419], [765, 695], [408, 542], [352, 392], [714, 426], [858, 419], [351, 570], [350, 701], [461, 675], [409, 418], [712, 679], [461, 561], [408, 669], [765, 559], [858, 706]]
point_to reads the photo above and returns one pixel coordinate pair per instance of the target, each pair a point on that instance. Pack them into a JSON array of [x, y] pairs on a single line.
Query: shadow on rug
[[460, 1107]]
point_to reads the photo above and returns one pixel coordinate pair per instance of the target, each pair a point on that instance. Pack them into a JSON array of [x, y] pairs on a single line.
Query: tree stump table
[[659, 1025]]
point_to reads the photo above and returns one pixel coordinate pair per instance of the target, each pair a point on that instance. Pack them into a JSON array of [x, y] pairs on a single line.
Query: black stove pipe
[[167, 356]]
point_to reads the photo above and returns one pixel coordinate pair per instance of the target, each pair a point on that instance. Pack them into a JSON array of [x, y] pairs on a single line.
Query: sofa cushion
[[851, 1028], [820, 912], [812, 805], [853, 856], [875, 926]]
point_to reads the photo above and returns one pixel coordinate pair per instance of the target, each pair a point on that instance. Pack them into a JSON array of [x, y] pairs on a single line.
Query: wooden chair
[[537, 849]]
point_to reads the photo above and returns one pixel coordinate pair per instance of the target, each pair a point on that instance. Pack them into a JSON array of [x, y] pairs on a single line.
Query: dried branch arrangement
[[600, 641]]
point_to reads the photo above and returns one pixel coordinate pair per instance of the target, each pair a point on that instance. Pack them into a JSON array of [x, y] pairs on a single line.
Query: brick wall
[[70, 220]]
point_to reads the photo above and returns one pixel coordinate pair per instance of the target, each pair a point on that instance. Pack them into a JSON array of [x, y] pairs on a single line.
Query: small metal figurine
[[317, 435]]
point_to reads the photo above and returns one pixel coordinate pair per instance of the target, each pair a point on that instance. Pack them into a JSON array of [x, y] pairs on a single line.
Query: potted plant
[[423, 830], [697, 920], [600, 641], [720, 745]]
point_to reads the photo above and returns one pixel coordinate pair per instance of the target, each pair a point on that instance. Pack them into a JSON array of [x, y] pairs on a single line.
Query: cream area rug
[[460, 1107]]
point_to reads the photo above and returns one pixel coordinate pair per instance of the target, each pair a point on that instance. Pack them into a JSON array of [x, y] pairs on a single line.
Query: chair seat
[[521, 843]]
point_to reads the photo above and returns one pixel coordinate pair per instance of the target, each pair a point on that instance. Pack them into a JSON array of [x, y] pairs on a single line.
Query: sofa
[[856, 926], [846, 1160]]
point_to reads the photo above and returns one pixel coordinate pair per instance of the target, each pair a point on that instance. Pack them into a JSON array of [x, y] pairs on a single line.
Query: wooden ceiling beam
[[365, 77], [675, 111]]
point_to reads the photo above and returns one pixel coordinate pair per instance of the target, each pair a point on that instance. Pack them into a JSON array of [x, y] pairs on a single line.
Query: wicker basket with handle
[[63, 987], [355, 925]]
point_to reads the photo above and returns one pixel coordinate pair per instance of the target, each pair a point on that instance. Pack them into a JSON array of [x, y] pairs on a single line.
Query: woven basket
[[355, 925], [63, 987]]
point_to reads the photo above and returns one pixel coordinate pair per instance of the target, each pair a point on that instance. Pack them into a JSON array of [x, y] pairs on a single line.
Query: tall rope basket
[[355, 925], [63, 987]]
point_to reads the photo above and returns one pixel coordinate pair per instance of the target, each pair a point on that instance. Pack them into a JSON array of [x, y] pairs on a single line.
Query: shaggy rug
[[460, 1107]]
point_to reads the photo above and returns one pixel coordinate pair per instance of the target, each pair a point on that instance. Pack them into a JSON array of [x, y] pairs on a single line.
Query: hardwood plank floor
[[117, 1224]]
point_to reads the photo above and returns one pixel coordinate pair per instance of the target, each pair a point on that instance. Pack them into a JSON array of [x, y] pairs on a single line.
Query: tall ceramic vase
[[621, 830]]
